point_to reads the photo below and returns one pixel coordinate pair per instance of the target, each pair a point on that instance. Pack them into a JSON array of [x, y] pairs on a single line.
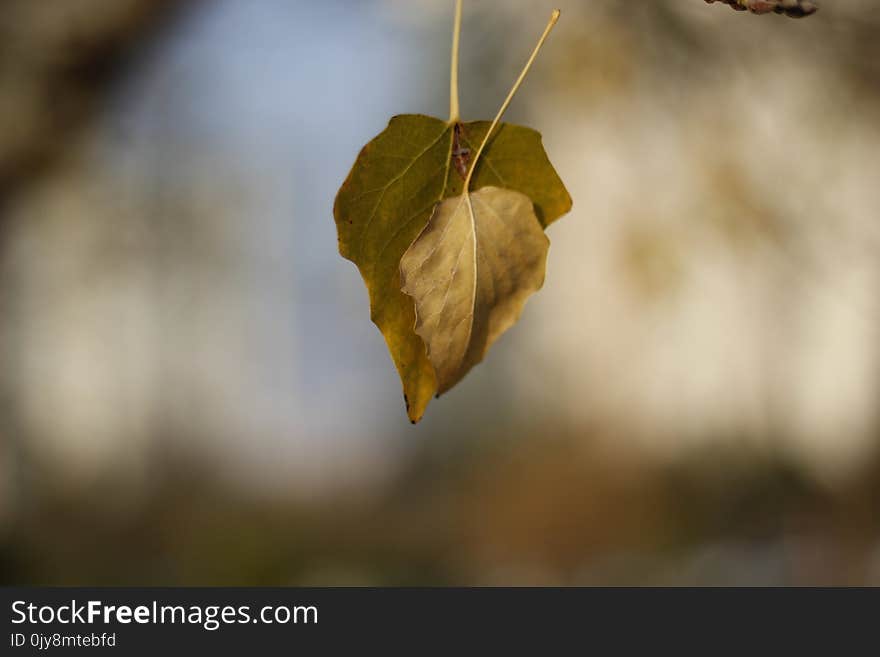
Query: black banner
[[130, 621]]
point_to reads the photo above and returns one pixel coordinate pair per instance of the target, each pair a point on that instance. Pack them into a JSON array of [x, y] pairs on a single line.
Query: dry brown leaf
[[470, 272]]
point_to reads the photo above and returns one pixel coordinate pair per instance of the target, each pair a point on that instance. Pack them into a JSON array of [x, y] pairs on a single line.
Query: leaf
[[388, 197], [470, 273]]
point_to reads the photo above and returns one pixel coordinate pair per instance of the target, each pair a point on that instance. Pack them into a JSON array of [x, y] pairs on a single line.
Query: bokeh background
[[191, 391]]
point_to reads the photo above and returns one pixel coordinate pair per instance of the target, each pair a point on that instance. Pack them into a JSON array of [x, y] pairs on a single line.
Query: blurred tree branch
[[792, 8], [57, 59]]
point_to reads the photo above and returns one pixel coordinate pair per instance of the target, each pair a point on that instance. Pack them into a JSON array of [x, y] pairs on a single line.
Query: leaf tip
[[412, 413]]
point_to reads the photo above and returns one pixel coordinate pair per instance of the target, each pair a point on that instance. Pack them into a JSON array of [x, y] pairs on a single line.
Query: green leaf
[[390, 194]]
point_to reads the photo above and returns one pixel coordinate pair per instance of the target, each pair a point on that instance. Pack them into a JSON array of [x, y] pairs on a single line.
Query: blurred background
[[191, 391]]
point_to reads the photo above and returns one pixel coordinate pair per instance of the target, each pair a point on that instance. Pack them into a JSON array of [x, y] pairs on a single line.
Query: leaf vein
[[389, 185]]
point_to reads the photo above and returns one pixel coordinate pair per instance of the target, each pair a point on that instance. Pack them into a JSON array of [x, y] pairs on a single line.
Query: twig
[[792, 8]]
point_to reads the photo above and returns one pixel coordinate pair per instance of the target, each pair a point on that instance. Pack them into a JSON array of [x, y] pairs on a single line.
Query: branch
[[57, 67], [792, 8]]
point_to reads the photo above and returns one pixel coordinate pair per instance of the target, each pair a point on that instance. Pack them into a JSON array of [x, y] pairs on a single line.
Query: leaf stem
[[453, 74], [553, 18]]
